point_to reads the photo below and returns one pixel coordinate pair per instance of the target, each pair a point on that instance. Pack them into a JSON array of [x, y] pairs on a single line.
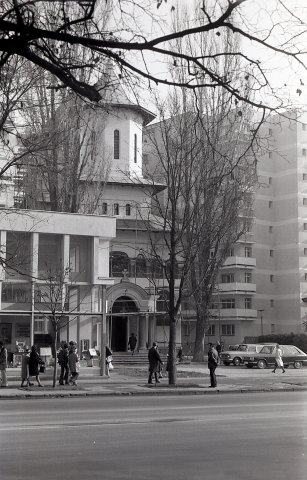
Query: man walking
[[154, 363], [63, 362], [3, 365], [132, 343], [213, 360]]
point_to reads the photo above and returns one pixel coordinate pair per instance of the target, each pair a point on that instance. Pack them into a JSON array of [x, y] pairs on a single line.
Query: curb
[[149, 392]]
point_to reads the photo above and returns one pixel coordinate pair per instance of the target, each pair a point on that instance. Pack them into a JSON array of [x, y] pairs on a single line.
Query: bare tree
[[40, 30], [57, 301]]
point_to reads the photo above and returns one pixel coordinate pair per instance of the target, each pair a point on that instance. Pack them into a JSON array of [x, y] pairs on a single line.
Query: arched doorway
[[119, 323]]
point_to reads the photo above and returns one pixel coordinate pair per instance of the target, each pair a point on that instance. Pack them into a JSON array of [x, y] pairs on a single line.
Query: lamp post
[[261, 321]]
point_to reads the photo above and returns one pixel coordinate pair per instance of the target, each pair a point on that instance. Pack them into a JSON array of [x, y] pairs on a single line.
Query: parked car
[[292, 355], [235, 357]]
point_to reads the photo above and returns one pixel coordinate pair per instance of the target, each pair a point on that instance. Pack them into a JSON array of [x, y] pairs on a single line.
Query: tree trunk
[[201, 325], [172, 371]]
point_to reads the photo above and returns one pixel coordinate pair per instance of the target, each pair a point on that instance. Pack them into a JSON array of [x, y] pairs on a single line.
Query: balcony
[[240, 262], [235, 313], [237, 287]]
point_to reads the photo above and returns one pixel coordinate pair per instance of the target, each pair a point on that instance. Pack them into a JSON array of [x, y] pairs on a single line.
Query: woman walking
[[74, 365], [34, 362], [278, 359]]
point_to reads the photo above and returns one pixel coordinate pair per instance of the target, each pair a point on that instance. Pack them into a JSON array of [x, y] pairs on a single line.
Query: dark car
[[235, 356], [291, 355]]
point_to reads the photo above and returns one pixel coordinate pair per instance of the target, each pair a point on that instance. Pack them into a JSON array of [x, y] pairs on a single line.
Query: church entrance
[[119, 334]]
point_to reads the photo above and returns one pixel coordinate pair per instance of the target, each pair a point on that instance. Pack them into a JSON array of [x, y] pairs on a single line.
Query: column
[[3, 255], [34, 278]]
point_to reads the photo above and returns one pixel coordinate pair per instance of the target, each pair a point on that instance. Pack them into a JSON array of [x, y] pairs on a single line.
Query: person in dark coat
[[34, 362], [3, 365], [154, 363], [132, 343], [213, 360], [63, 362], [108, 361]]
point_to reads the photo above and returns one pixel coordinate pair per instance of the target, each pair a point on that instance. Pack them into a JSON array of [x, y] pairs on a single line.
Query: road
[[226, 436]]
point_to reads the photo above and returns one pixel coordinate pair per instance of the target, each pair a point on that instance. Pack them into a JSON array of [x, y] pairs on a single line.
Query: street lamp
[[261, 323]]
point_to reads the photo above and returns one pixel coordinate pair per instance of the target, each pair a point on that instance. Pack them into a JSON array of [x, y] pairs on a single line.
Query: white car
[[235, 357]]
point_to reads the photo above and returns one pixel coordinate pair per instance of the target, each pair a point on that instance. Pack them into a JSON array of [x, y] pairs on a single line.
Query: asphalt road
[[231, 436]]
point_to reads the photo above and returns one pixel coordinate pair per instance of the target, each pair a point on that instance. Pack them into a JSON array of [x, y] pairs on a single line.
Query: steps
[[140, 358]]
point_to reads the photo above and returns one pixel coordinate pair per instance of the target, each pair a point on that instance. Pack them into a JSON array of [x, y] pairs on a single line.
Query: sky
[[283, 73]]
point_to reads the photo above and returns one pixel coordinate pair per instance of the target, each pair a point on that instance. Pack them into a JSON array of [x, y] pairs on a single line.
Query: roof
[[113, 93]]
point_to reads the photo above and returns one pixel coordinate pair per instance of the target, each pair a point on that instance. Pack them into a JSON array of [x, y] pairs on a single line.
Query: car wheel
[[226, 363], [236, 361], [297, 364], [261, 364]]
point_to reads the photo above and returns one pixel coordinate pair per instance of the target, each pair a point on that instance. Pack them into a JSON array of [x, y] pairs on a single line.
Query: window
[[305, 251], [248, 251], [304, 152], [228, 278], [116, 209], [270, 204], [305, 201], [271, 253], [248, 277], [231, 252], [270, 229], [272, 278], [270, 180], [211, 253], [211, 331], [104, 208], [247, 303], [39, 325], [228, 303], [135, 148], [272, 303], [116, 144], [128, 209], [74, 259], [228, 330], [119, 262]]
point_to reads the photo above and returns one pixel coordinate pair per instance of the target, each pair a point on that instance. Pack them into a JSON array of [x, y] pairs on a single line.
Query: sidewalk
[[192, 379]]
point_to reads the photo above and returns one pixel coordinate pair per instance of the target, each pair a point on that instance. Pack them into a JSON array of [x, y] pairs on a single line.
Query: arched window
[[140, 266], [157, 267], [119, 263], [128, 209], [162, 301], [116, 144]]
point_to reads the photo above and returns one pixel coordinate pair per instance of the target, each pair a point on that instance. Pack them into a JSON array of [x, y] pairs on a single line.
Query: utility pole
[[261, 321]]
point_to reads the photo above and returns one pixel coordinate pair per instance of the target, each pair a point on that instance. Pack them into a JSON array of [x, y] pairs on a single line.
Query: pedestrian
[[218, 348], [180, 354], [34, 362], [213, 360], [74, 365], [154, 363], [109, 364], [132, 343], [25, 368], [63, 362], [3, 365], [278, 359]]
